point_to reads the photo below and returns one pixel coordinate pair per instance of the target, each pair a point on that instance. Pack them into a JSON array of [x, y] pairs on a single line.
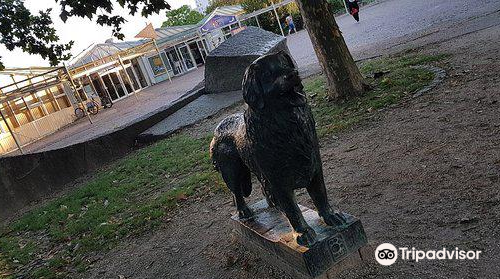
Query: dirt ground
[[424, 174]]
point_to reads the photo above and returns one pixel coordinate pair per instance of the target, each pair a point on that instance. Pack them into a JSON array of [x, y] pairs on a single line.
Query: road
[[393, 25]]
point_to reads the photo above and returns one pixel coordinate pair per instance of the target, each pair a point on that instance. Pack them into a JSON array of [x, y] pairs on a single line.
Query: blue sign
[[218, 21]]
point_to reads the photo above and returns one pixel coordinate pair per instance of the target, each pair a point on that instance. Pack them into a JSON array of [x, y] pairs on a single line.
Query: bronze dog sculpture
[[275, 138]]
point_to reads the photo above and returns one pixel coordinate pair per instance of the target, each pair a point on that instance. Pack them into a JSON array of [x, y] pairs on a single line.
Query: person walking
[[353, 8], [291, 25]]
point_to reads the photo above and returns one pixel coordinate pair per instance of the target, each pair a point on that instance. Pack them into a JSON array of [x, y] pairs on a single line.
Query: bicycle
[[106, 102], [92, 109]]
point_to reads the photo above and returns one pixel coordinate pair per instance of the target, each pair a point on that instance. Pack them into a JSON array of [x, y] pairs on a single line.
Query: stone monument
[[226, 65], [275, 139]]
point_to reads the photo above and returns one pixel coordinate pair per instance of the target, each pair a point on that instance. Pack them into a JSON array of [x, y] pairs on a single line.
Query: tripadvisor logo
[[387, 254]]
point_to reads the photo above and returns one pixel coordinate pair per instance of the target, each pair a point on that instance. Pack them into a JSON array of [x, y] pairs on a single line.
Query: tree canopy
[[219, 3], [182, 16], [35, 33]]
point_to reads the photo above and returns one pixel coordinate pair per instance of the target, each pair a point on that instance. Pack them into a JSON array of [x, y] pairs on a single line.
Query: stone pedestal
[[270, 235]]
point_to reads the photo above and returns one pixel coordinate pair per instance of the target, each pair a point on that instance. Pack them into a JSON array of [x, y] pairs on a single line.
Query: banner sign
[[218, 21]]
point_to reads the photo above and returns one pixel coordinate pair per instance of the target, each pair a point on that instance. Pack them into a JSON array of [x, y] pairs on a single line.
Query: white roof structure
[[98, 51], [173, 34], [235, 10], [170, 31]]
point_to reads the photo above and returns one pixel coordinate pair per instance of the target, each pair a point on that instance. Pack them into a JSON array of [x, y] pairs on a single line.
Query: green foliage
[[401, 81], [220, 3], [267, 20], [182, 16], [402, 62], [254, 5], [336, 6], [35, 34], [17, 251]]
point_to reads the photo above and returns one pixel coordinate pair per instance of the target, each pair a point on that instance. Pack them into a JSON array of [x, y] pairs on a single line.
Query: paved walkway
[[384, 27], [122, 113], [199, 109]]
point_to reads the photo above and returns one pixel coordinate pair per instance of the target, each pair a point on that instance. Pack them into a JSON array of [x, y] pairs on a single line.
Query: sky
[[83, 32]]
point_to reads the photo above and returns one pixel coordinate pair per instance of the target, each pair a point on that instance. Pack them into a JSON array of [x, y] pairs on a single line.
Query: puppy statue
[[275, 138]]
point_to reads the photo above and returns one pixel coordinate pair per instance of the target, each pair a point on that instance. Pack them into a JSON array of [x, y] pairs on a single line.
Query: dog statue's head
[[272, 81]]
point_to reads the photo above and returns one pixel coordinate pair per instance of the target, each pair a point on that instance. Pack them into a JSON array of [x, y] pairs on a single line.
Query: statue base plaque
[[270, 235]]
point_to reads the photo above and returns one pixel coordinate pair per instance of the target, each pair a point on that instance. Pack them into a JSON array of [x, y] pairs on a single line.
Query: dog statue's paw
[[245, 213], [334, 218], [307, 238]]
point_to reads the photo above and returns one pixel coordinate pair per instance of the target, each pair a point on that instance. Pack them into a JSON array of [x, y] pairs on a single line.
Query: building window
[[165, 60], [157, 65]]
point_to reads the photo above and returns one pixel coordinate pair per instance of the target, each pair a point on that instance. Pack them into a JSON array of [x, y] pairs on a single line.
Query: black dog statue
[[275, 138]]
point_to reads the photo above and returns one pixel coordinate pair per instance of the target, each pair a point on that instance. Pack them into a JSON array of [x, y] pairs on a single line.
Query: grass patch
[[400, 62], [401, 81], [136, 193], [131, 196]]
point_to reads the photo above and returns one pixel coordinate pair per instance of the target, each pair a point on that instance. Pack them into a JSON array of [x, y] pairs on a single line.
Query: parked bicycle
[[106, 102], [92, 107]]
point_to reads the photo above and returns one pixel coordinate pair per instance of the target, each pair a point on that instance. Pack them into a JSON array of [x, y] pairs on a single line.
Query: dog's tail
[[213, 153]]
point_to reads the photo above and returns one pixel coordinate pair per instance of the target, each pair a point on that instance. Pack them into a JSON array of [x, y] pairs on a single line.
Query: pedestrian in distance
[[353, 8], [291, 25]]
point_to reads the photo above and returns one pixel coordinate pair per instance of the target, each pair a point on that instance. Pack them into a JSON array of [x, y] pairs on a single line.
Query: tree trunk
[[343, 76]]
